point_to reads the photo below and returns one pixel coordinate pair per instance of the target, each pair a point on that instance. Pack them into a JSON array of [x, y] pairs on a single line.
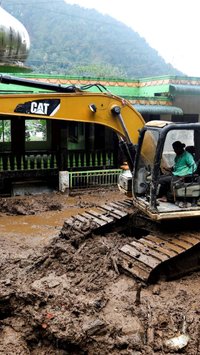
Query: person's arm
[[168, 168]]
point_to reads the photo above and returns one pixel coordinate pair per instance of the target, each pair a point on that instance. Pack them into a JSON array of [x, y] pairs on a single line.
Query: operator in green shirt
[[184, 165]]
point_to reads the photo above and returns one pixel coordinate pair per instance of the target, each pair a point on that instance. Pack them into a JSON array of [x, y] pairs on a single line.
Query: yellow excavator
[[148, 150]]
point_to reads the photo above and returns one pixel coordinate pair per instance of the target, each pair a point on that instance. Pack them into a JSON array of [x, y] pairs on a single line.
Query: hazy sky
[[172, 27]]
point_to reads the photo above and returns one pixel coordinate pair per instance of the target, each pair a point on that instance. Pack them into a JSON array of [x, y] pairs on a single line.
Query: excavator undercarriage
[[157, 250]]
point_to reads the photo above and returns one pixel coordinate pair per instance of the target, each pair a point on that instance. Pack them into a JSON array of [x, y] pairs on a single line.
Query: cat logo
[[39, 108], [46, 107]]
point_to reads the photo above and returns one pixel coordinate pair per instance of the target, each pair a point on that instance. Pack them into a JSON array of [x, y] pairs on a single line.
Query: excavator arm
[[82, 107], [73, 104]]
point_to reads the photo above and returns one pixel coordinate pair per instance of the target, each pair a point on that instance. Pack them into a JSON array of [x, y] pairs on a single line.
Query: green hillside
[[67, 39]]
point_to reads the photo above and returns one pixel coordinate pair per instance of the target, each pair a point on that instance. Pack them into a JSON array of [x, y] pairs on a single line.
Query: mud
[[59, 297]]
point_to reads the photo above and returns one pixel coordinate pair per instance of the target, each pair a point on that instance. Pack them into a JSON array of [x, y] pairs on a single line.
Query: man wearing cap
[[184, 165]]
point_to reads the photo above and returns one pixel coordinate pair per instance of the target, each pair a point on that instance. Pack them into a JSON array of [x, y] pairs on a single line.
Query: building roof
[[153, 95]]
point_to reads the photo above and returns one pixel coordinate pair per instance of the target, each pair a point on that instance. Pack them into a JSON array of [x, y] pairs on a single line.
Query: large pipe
[[14, 40], [6, 79]]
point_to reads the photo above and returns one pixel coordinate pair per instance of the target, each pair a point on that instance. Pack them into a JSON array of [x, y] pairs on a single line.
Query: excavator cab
[[154, 154], [169, 248]]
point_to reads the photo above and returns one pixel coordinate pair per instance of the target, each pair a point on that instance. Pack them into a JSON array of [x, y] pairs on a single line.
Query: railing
[[71, 160], [27, 162], [82, 179], [96, 159], [45, 168]]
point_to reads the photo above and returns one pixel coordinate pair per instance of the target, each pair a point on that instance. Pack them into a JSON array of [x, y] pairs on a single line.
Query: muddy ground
[[59, 297]]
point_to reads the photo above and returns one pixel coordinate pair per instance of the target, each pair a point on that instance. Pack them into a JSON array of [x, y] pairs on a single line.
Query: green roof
[[153, 90]]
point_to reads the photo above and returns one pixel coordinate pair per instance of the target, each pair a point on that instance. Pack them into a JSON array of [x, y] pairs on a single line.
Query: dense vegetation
[[67, 39]]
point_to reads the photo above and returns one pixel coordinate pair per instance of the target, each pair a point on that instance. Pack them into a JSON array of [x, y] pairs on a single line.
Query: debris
[[156, 290], [50, 315], [44, 325], [114, 263], [137, 298], [178, 342], [94, 327], [150, 336]]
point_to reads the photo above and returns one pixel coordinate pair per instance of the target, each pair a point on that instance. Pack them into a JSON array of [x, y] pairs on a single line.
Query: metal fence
[[93, 178]]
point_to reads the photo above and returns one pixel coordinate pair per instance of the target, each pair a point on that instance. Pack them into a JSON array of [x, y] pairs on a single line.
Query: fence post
[[22, 162], [35, 162], [8, 163], [91, 163], [68, 161], [28, 162], [48, 161], [101, 159], [111, 159], [15, 163], [64, 182], [74, 161], [1, 164], [95, 160], [54, 161], [79, 160], [42, 162], [84, 160]]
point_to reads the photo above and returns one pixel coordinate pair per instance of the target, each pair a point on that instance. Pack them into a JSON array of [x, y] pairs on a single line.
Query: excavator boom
[[72, 104]]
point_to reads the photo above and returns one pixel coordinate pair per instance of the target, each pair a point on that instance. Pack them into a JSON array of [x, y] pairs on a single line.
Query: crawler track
[[158, 255], [100, 218], [155, 257]]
